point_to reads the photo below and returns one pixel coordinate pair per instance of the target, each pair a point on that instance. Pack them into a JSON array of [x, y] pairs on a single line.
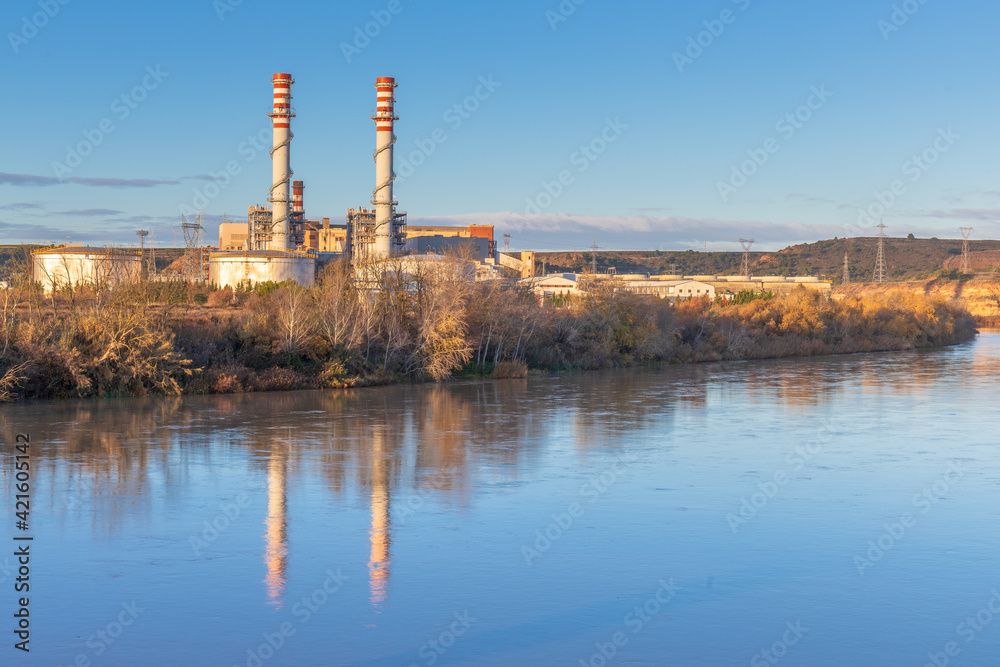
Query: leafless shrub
[[295, 319]]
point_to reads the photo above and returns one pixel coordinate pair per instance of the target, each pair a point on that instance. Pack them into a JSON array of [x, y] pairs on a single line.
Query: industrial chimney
[[281, 228], [298, 214], [385, 211], [298, 209]]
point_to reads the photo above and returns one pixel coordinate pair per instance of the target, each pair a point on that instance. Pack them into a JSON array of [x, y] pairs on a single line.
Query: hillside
[[980, 296], [908, 259]]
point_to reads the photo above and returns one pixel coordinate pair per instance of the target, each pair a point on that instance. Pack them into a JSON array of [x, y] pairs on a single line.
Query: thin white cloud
[[32, 180], [985, 214], [90, 212], [672, 228]]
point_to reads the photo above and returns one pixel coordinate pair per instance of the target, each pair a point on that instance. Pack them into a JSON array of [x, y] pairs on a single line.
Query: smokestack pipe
[[385, 118], [297, 208], [281, 228]]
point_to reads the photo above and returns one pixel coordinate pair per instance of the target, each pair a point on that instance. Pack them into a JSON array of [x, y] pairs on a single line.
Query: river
[[826, 511]]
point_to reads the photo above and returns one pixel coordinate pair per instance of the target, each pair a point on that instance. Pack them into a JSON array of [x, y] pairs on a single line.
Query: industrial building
[[326, 238], [525, 265], [472, 242], [555, 284], [68, 266], [234, 236], [322, 237], [667, 289], [480, 238], [776, 284], [573, 284]]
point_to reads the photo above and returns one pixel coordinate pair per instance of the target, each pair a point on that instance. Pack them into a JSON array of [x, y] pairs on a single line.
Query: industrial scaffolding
[[361, 234], [259, 237]]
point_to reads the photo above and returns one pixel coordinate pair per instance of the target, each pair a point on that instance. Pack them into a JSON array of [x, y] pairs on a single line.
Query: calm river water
[[830, 511]]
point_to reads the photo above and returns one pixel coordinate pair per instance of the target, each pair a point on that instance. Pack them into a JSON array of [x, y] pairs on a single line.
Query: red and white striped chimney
[[297, 208], [385, 118], [281, 228]]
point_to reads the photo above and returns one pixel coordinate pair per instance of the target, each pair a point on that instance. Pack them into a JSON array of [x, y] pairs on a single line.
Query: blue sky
[[886, 82]]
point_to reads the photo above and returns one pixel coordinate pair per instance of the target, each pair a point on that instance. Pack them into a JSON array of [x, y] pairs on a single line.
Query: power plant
[[278, 243]]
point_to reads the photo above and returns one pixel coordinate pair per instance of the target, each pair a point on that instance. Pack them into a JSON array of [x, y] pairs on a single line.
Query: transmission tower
[[745, 267], [593, 257], [142, 234], [192, 232], [966, 233], [881, 272], [506, 242], [192, 242], [847, 270]]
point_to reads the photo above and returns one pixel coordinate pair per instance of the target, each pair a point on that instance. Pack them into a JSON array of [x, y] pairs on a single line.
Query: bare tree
[[295, 319], [338, 306], [441, 291]]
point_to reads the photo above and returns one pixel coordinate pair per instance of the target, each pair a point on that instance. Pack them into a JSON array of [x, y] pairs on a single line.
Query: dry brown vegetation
[[980, 295], [425, 322]]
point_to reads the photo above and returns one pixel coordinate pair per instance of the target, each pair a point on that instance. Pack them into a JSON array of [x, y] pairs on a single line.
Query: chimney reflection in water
[[378, 565], [276, 538]]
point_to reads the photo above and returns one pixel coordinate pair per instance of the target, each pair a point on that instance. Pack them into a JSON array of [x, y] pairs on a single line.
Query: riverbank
[[132, 341]]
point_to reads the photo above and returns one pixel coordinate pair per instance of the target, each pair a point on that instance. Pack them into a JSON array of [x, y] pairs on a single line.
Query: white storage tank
[[63, 266], [236, 269]]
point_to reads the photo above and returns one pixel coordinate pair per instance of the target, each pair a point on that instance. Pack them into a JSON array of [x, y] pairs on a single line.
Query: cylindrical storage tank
[[85, 267], [236, 269]]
